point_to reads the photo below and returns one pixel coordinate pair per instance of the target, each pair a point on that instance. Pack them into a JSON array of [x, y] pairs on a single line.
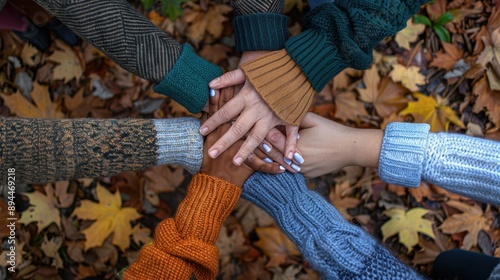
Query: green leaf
[[422, 20], [444, 19], [442, 33], [172, 8], [147, 4]]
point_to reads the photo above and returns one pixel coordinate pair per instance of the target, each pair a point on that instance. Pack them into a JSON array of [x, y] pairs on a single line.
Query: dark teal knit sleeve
[[259, 25], [343, 33]]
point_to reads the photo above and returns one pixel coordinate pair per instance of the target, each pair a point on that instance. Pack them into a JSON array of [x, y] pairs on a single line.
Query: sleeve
[[462, 164], [185, 245], [336, 35], [333, 247], [49, 150], [259, 25], [132, 41]]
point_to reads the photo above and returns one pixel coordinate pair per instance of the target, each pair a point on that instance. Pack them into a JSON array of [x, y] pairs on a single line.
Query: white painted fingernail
[[268, 160], [287, 161], [298, 158], [266, 148], [212, 93], [295, 167], [298, 136], [282, 168]]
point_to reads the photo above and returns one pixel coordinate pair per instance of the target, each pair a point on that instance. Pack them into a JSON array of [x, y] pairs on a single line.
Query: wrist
[[365, 147]]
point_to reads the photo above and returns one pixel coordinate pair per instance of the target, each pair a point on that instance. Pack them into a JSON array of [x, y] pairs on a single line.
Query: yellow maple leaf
[[410, 77], [42, 209], [275, 245], [109, 217], [409, 34], [27, 54], [407, 225], [435, 113], [43, 107], [472, 220], [70, 65]]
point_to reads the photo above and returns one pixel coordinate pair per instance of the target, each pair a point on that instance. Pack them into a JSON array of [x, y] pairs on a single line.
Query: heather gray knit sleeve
[[333, 247], [495, 274], [462, 164], [49, 150]]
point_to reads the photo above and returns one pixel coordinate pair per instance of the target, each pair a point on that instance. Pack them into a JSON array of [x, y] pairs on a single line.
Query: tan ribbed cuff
[[282, 84]]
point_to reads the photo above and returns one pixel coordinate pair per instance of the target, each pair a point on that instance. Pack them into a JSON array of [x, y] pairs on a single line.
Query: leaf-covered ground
[[443, 69]]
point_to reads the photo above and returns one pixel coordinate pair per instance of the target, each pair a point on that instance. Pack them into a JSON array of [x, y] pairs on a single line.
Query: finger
[[236, 132], [254, 139], [274, 154], [291, 142], [223, 115], [231, 78], [277, 140], [213, 102], [226, 95], [258, 164]]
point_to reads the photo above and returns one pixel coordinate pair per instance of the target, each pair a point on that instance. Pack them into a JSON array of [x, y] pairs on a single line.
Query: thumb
[[231, 78]]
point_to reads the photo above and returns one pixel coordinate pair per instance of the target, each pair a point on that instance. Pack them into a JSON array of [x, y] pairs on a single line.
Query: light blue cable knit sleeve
[[333, 247], [462, 164]]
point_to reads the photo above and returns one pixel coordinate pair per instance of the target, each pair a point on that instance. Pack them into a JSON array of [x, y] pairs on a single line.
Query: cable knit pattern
[[334, 247], [462, 164], [179, 142]]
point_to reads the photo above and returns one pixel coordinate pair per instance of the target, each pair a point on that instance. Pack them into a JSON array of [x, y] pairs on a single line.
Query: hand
[[254, 116]]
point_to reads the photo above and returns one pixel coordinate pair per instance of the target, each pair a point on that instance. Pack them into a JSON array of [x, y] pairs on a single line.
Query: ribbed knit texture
[[333, 247], [247, 7], [187, 83], [315, 3], [465, 165], [495, 274], [402, 153], [49, 150], [278, 79], [185, 245], [179, 142], [343, 33], [256, 32]]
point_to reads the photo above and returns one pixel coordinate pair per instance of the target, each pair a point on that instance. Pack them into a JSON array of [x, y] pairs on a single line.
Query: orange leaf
[[42, 107], [275, 245], [448, 58], [488, 100], [348, 107]]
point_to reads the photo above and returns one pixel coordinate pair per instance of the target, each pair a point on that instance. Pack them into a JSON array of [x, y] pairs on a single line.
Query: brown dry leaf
[[348, 107], [339, 198], [490, 57], [394, 117], [81, 106], [161, 179], [407, 225], [386, 96], [109, 217], [27, 54], [70, 63], [251, 216], [275, 245], [75, 250], [230, 245], [409, 34], [107, 256], [255, 271], [155, 18], [205, 22], [51, 247], [64, 198], [448, 58], [488, 100], [471, 220], [132, 185], [432, 248], [435, 113], [436, 9], [216, 53], [141, 235], [290, 272], [85, 271], [410, 77], [42, 107], [290, 4], [42, 209]]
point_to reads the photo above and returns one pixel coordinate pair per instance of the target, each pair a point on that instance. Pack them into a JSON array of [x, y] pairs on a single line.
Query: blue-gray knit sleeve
[[334, 247]]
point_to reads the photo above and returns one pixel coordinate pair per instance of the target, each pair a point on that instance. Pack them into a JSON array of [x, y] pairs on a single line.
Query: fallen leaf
[[448, 58], [70, 65], [205, 22], [109, 217], [275, 245], [488, 100], [435, 113], [348, 107], [216, 53], [161, 179], [432, 248], [410, 77], [290, 272], [42, 209], [386, 96], [472, 220], [251, 216], [490, 57], [230, 245], [51, 249], [339, 198], [27, 54], [141, 235], [290, 4], [64, 198], [407, 225], [255, 271], [43, 107], [81, 106], [409, 34]]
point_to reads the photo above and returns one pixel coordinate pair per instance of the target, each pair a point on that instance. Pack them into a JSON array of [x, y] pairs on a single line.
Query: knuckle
[[256, 138], [224, 114], [276, 137], [238, 129]]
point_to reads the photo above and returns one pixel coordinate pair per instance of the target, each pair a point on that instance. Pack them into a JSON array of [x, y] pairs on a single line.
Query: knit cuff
[[281, 83], [256, 32], [319, 59], [187, 82], [402, 153], [179, 142], [208, 203]]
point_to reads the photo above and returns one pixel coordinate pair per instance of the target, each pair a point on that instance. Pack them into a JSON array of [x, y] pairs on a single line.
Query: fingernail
[[268, 160], [212, 92], [298, 136], [238, 160], [295, 167], [290, 155], [282, 168], [214, 82], [203, 130], [266, 148], [213, 153], [298, 158], [287, 161]]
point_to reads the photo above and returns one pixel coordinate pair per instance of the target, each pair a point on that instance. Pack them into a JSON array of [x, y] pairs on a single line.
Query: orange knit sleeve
[[185, 245]]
